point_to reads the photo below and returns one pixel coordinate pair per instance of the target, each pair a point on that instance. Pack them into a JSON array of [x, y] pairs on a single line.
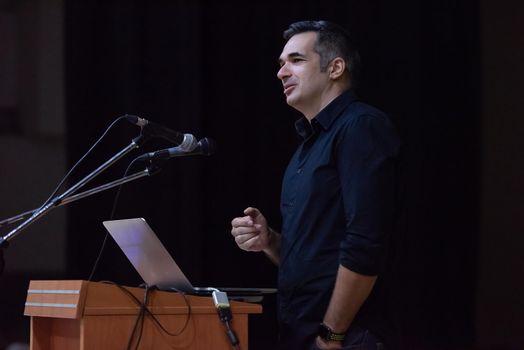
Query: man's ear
[[337, 68]]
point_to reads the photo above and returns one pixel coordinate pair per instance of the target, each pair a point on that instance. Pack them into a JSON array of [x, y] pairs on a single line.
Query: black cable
[[140, 316], [80, 160], [150, 314], [113, 210], [114, 202], [232, 336], [157, 322], [139, 322], [143, 309], [225, 315], [66, 176], [141, 331]]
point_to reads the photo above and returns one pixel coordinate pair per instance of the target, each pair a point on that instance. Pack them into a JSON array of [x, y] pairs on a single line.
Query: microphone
[[187, 142], [205, 147]]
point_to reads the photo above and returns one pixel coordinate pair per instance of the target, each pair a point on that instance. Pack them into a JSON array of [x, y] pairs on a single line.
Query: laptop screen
[[147, 254]]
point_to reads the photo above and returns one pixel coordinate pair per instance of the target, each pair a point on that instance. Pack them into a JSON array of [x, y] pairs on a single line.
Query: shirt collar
[[326, 116]]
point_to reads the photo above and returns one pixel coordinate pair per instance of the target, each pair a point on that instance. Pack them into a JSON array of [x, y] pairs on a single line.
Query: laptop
[[157, 267]]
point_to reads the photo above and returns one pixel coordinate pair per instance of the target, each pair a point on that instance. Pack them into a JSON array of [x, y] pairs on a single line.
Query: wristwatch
[[328, 334]]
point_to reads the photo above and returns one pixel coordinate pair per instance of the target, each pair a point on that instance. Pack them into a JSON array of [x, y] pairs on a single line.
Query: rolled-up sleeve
[[366, 154]]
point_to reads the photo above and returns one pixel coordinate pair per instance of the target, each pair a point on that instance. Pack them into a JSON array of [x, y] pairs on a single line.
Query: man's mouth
[[288, 88]]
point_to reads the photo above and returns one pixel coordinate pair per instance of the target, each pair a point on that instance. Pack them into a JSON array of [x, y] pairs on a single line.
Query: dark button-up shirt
[[336, 204]]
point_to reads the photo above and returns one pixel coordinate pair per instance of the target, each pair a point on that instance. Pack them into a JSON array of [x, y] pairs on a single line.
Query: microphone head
[[207, 146], [189, 143], [133, 119]]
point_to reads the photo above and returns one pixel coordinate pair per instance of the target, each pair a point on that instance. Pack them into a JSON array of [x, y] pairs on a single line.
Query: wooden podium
[[92, 315]]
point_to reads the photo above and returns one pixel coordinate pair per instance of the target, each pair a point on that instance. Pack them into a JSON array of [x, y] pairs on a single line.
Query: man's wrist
[[270, 240], [326, 344], [272, 249], [270, 235], [326, 333]]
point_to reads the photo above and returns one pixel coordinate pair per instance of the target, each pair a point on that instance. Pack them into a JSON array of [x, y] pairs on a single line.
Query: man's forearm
[[273, 250], [350, 292]]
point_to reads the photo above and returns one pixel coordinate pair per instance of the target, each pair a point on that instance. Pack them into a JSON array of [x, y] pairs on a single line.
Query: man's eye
[[296, 59]]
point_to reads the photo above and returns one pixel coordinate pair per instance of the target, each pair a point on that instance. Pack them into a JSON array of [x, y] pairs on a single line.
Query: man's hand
[[251, 231], [252, 234]]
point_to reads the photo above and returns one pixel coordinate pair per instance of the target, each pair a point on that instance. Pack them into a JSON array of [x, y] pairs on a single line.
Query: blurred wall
[[32, 129], [500, 302], [32, 149]]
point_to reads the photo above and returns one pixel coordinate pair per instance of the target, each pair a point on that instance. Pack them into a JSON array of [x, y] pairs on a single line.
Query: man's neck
[[328, 96]]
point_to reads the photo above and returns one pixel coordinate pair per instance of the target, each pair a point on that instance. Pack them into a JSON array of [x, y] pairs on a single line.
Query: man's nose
[[283, 72]]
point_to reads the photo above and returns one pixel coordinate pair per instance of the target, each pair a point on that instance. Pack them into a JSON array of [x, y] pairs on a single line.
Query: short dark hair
[[332, 41]]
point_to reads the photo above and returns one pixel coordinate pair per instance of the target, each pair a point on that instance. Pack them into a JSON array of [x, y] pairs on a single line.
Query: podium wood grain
[[91, 315]]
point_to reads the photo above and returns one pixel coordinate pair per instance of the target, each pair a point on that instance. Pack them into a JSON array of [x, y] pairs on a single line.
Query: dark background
[[209, 68]]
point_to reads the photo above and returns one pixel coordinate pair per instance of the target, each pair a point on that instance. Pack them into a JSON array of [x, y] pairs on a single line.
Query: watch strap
[[328, 334]]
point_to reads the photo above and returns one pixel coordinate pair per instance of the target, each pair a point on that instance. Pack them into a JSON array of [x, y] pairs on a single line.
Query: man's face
[[304, 84]]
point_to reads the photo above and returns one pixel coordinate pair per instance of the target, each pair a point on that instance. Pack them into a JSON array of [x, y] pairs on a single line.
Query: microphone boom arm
[[74, 198], [55, 202], [107, 186]]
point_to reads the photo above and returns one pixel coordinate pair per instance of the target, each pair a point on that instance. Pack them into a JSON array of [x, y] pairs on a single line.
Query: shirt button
[[299, 170]]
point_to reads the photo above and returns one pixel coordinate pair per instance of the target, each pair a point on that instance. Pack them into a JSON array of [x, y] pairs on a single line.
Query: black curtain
[[210, 69]]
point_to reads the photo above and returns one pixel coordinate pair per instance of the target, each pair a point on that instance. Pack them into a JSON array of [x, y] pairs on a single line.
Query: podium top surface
[[78, 298]]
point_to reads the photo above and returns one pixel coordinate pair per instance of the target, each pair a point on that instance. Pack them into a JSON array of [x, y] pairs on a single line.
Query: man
[[337, 199]]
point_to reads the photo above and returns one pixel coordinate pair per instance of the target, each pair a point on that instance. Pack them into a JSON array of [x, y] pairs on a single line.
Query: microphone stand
[[57, 201], [146, 172], [13, 219]]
